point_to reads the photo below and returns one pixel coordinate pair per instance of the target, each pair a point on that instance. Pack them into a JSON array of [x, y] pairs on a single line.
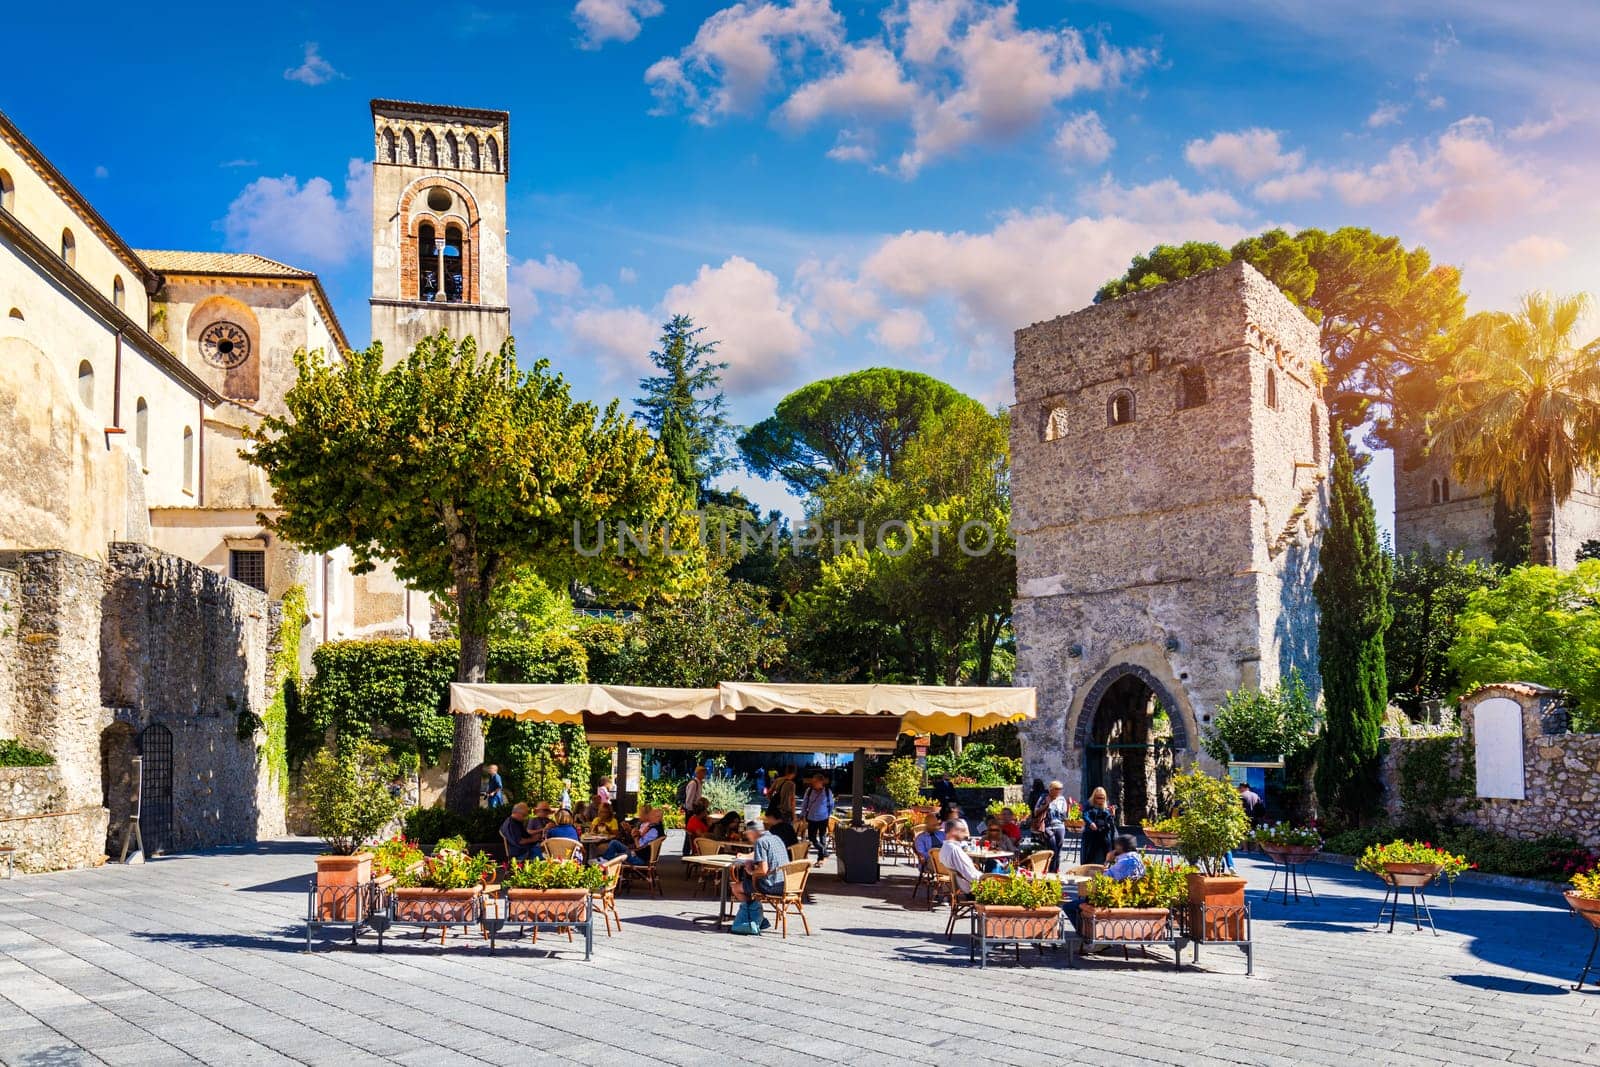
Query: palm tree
[[1519, 409]]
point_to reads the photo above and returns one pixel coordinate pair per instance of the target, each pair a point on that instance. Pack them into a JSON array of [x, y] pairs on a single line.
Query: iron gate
[[1120, 769], [155, 789]]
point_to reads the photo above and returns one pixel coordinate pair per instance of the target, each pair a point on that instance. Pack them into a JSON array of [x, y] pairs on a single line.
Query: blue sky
[[834, 185]]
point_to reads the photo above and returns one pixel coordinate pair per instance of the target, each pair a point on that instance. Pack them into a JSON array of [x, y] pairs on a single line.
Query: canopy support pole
[[858, 775], [622, 804]]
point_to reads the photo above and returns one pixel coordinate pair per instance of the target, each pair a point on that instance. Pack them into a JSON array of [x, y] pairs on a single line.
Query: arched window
[[1054, 425], [141, 431], [1272, 388], [119, 293], [1191, 387], [1444, 489], [86, 383], [1435, 498], [16, 313], [188, 460], [386, 146], [491, 155], [408, 147], [450, 152], [454, 258], [427, 263], [8, 192], [430, 150], [471, 161], [69, 248], [1120, 408]]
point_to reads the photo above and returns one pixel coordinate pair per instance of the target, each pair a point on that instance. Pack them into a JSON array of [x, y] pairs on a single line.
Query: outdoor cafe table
[[724, 862]]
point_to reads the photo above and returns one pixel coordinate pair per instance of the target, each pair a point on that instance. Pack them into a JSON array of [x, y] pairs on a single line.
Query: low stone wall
[[30, 791], [46, 837]]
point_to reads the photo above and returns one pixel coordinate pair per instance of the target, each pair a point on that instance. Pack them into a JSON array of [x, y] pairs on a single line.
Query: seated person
[[929, 839], [727, 828], [564, 826], [995, 839], [762, 870], [646, 830], [698, 824], [604, 821], [521, 843], [1009, 823], [955, 857], [540, 817], [783, 830], [1126, 865]]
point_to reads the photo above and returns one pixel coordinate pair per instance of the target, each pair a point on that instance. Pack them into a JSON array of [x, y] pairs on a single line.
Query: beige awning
[[567, 703], [922, 709]]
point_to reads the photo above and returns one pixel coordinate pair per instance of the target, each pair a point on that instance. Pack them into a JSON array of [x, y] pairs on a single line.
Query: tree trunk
[[466, 750], [1542, 531]]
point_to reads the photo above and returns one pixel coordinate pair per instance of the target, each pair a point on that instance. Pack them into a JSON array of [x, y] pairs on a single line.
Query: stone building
[[1169, 458]]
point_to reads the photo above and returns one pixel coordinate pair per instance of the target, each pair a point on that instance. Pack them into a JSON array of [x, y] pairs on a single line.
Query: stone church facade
[[1169, 485]]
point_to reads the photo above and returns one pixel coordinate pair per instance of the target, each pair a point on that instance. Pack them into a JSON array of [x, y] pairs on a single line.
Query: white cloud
[[1537, 129], [1162, 201], [313, 69], [612, 20], [1083, 139], [903, 330], [527, 278], [618, 339], [740, 306], [306, 225], [1476, 178], [1385, 114], [869, 82], [830, 299], [925, 27], [731, 63], [1249, 155], [627, 275], [102, 171], [1534, 250]]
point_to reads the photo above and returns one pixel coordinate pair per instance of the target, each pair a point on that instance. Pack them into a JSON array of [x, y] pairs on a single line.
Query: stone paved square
[[200, 958]]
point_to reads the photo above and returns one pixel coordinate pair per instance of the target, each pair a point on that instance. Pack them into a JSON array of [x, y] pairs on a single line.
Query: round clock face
[[224, 345]]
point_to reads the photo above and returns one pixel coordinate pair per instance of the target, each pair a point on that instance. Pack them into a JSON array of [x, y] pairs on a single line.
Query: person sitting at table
[[541, 817], [521, 843], [783, 829], [1126, 865], [930, 838], [727, 828], [698, 823], [995, 839], [637, 849], [563, 826], [762, 870], [604, 821], [1010, 825], [953, 854]]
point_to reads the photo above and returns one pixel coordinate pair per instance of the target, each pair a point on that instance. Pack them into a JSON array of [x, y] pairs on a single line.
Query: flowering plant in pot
[[397, 854], [1020, 905], [545, 890], [1584, 896], [350, 803], [1211, 824], [1283, 843], [1411, 863], [446, 888], [1135, 909], [1163, 833]]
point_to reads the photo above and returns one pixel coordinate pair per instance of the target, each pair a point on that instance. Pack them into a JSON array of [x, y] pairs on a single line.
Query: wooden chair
[[1085, 868], [604, 899], [791, 897], [927, 878], [1037, 862], [560, 848], [799, 850], [648, 873], [704, 876], [947, 884]]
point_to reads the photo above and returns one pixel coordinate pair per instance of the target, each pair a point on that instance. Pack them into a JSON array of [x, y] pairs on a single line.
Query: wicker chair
[[946, 882], [648, 873], [604, 899], [791, 898], [704, 876], [799, 850], [1038, 862], [561, 848]]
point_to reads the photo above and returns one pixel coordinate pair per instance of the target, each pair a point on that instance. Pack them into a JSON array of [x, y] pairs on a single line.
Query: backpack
[[747, 920]]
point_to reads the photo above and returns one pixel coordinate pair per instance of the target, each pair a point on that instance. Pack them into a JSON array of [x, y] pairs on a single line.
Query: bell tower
[[438, 223]]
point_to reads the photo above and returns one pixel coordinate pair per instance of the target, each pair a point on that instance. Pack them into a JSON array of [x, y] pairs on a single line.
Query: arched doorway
[[155, 798], [118, 790], [1130, 733]]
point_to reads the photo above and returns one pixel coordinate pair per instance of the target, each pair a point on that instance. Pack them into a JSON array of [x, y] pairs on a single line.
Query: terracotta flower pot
[[447, 907], [1005, 921], [1283, 855], [1125, 924], [340, 881], [547, 905], [1584, 906], [1073, 826], [1162, 839], [1221, 893], [1410, 875]]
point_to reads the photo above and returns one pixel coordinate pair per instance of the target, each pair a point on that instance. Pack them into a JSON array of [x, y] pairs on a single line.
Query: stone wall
[[8, 652], [36, 821]]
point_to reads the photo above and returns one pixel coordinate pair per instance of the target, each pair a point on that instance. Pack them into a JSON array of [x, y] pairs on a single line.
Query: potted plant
[[1284, 844], [1019, 907], [1411, 864], [1134, 909], [392, 857], [446, 888], [1162, 834], [1073, 823], [1211, 824], [1584, 896], [1262, 727], [348, 792], [544, 891]]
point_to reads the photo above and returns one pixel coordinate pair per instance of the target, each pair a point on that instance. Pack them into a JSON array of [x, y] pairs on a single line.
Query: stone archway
[[118, 789], [1130, 731]]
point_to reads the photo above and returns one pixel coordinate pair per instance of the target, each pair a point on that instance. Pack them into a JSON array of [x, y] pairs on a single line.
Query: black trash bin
[[858, 854]]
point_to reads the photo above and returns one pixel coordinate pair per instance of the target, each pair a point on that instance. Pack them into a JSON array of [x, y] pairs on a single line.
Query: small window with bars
[[248, 565]]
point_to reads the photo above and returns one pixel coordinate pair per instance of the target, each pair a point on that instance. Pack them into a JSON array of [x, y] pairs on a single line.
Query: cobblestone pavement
[[200, 958]]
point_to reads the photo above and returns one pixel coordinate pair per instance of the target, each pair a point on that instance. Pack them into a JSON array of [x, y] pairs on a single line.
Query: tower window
[[86, 383], [1191, 387], [8, 192], [1120, 408], [452, 260], [430, 150], [1435, 496], [141, 431], [1272, 388], [249, 566], [1444, 489], [69, 248], [188, 460], [427, 263], [1054, 426], [472, 151], [386, 146], [408, 147], [450, 149], [491, 155], [119, 293]]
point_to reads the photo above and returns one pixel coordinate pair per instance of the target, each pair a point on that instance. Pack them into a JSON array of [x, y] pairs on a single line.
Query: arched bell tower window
[[69, 248], [491, 159], [450, 151], [408, 147], [430, 150], [427, 263], [386, 146], [471, 161], [454, 260], [1120, 408]]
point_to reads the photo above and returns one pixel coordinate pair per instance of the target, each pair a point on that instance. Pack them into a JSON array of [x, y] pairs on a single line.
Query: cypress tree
[[675, 445], [1352, 590]]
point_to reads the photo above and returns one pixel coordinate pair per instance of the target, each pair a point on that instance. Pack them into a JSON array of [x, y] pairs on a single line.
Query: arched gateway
[[1132, 735]]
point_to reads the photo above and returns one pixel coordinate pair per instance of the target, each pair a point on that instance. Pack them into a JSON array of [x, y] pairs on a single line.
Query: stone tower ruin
[[1169, 484]]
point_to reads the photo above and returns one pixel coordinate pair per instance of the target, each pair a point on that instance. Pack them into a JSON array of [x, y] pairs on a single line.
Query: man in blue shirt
[[817, 809], [762, 870], [1126, 866], [521, 842]]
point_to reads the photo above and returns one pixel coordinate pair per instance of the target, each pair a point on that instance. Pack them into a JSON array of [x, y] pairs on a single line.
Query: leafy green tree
[[1538, 625], [857, 420], [1426, 600], [689, 387], [1352, 591], [1163, 264], [680, 460], [722, 631], [1513, 534], [460, 469], [1279, 721], [1520, 409]]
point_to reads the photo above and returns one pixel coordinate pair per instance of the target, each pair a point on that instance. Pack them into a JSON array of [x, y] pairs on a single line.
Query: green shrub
[[426, 826], [727, 794], [1019, 890], [1435, 778], [553, 874], [1252, 723], [903, 782], [1165, 885], [15, 754], [348, 790], [1211, 819]]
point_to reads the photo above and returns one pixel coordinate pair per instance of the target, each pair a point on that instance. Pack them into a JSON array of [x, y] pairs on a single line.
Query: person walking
[[1050, 818], [817, 808], [692, 789], [780, 801], [494, 790]]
